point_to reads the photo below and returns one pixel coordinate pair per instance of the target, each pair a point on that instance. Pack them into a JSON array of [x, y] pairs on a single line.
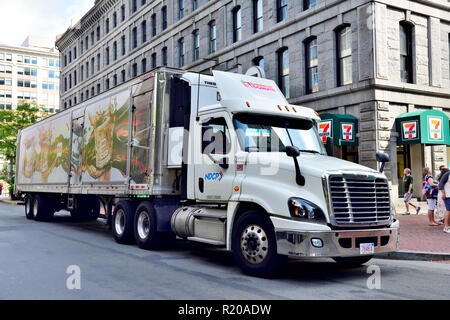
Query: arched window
[[344, 55], [311, 66], [406, 52], [259, 62]]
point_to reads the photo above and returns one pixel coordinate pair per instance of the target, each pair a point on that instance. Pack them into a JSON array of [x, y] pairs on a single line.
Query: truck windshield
[[261, 133]]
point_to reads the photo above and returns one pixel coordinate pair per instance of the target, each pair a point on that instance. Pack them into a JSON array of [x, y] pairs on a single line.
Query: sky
[[20, 18]]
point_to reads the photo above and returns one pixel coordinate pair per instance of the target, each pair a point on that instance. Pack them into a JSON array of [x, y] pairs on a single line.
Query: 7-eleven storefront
[[423, 137], [343, 130]]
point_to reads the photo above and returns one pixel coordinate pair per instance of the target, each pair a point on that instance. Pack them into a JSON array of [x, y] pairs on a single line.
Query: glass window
[[344, 54], [9, 57], [8, 82], [181, 53], [180, 9], [144, 31], [144, 65], [34, 60], [134, 38], [212, 37], [20, 70], [196, 42], [258, 15], [164, 56], [406, 58], [27, 59], [114, 19], [194, 5], [259, 62], [273, 134], [8, 69], [312, 70], [307, 4], [237, 24], [115, 51], [19, 58], [154, 60], [153, 21], [164, 18], [216, 137], [281, 10], [122, 13], [283, 72]]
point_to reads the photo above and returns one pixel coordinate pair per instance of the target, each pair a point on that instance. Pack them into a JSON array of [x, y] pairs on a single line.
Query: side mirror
[[329, 146], [292, 151], [383, 158]]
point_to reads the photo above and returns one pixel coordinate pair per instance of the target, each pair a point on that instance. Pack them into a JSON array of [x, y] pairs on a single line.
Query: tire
[[29, 207], [88, 209], [257, 257], [123, 221], [352, 262], [42, 208], [145, 227]]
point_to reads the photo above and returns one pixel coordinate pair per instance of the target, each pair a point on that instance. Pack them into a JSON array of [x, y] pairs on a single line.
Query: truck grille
[[360, 201]]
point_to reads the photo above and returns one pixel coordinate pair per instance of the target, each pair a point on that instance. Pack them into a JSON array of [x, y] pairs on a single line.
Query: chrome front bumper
[[335, 243]]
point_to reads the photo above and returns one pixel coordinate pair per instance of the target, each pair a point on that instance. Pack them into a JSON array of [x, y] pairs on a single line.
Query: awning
[[424, 127], [342, 128]]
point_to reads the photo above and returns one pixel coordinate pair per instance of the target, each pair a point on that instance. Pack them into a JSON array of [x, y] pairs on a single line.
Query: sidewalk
[[418, 240]]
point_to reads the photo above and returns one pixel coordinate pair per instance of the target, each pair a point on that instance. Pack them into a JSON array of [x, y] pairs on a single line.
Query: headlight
[[303, 209]]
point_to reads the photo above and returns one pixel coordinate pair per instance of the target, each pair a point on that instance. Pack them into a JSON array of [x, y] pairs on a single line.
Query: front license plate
[[366, 248]]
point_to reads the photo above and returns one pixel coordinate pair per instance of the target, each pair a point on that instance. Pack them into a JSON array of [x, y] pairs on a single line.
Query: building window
[[144, 65], [164, 56], [98, 59], [164, 18], [133, 6], [258, 15], [134, 38], [406, 56], [123, 45], [194, 5], [237, 24], [180, 9], [81, 46], [75, 78], [212, 37], [115, 80], [312, 70], [92, 66], [114, 19], [181, 52], [82, 97], [107, 84], [92, 38], [154, 60], [196, 48], [87, 70], [115, 51], [87, 43], [123, 76], [281, 10], [144, 31], [98, 33], [98, 88], [107, 26], [283, 71], [81, 73], [122, 13], [153, 22], [74, 53], [344, 55], [307, 4]]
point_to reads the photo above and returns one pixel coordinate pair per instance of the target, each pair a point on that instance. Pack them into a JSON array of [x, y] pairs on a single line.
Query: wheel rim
[[143, 225], [254, 244], [35, 208], [27, 206], [120, 221]]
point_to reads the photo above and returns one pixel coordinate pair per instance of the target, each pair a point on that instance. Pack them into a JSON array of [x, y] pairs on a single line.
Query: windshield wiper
[[310, 151]]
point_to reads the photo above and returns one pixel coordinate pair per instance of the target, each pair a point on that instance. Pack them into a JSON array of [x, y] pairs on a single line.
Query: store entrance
[[403, 162], [350, 153]]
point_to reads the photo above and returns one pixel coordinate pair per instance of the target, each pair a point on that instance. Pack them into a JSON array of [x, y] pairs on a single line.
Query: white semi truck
[[223, 160]]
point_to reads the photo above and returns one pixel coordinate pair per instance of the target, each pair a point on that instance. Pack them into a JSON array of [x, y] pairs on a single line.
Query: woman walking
[[430, 190]]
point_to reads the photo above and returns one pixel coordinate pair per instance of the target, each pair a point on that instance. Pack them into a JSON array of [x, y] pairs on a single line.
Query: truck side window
[[216, 137]]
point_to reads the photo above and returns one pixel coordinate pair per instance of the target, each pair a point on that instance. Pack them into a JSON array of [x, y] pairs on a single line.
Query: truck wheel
[[145, 230], [42, 208], [254, 245], [352, 262], [122, 222], [29, 207]]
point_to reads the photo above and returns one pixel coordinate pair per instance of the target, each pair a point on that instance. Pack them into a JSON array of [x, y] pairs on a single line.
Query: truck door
[[214, 172]]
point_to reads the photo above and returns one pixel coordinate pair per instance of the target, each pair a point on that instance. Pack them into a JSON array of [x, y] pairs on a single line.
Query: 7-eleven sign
[[435, 127], [409, 130], [347, 131], [324, 128]]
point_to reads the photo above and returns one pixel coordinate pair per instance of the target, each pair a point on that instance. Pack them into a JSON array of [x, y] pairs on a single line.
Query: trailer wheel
[[29, 207], [42, 208], [254, 245], [145, 230], [122, 222], [352, 262]]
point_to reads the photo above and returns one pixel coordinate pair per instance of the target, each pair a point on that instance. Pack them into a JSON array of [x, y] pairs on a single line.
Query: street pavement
[[35, 256]]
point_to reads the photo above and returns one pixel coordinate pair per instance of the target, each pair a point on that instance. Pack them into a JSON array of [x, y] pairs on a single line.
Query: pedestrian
[[440, 208], [430, 190], [408, 182], [1, 189], [444, 186]]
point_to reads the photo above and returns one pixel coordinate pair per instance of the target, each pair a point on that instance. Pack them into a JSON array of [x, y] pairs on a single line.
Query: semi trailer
[[220, 159]]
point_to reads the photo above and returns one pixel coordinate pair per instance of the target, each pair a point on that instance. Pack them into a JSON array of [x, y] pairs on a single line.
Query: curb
[[13, 202], [415, 255]]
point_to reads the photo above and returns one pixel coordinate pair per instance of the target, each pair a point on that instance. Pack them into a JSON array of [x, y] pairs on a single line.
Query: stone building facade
[[372, 59]]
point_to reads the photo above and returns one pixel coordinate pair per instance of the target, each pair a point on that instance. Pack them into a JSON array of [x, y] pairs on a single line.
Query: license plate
[[366, 248]]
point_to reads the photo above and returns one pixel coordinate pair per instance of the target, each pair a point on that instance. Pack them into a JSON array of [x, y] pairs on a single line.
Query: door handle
[[201, 184]]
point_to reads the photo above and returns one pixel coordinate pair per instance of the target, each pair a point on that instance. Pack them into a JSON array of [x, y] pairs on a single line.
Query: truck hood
[[310, 164]]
